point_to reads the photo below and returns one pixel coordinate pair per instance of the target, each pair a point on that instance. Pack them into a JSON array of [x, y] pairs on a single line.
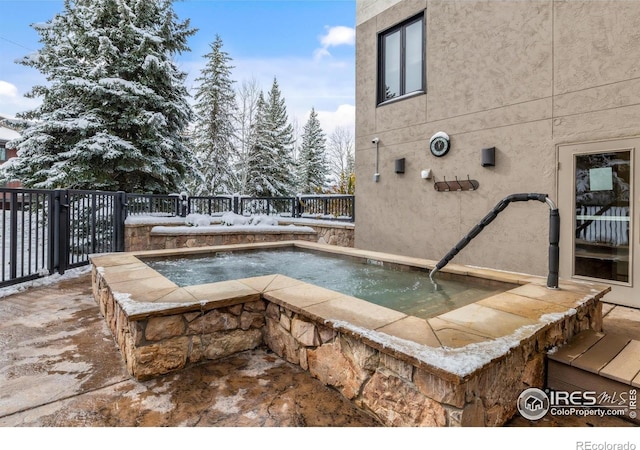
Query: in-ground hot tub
[[403, 288], [465, 366]]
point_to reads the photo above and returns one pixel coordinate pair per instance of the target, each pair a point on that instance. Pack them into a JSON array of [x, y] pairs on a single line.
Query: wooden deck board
[[579, 344], [601, 353], [626, 365], [563, 377], [636, 381]]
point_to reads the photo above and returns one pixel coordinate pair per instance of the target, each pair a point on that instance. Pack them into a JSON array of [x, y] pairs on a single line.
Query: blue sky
[[308, 45]]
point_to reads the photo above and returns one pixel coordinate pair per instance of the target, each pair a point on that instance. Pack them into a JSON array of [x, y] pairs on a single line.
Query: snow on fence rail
[[327, 207], [47, 231]]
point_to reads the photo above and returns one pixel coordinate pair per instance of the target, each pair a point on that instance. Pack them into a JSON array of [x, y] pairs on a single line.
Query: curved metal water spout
[[554, 235]]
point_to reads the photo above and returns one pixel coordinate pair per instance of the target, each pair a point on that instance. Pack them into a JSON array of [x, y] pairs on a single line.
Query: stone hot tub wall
[[154, 343], [400, 390], [372, 355]]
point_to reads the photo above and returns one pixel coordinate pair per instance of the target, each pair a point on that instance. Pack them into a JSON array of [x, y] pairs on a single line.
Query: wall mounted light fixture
[[426, 174], [376, 176], [488, 157]]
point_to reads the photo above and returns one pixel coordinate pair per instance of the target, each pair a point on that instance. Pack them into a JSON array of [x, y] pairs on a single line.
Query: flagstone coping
[[500, 315]]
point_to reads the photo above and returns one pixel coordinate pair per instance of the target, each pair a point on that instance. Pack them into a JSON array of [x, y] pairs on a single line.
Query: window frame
[[382, 51], [3, 153]]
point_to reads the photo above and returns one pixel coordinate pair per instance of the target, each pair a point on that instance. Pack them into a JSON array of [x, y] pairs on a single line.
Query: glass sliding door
[[602, 221]]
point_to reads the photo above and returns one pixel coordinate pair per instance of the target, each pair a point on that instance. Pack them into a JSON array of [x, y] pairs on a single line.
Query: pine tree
[[281, 134], [114, 112], [213, 136], [259, 159], [271, 170], [312, 162]]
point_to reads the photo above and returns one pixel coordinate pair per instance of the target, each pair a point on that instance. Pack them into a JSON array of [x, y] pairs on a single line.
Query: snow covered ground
[[45, 281]]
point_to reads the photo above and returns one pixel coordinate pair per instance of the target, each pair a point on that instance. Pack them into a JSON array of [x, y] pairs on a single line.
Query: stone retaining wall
[[396, 388], [399, 392], [138, 237], [156, 345]]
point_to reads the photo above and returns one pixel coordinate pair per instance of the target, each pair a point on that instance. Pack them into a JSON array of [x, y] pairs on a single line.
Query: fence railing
[[26, 217], [47, 231], [331, 207], [327, 207]]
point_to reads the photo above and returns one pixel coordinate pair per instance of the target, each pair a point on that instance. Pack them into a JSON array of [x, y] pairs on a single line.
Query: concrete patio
[[60, 367]]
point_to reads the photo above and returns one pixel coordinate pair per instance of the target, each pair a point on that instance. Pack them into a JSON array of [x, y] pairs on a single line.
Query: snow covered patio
[[464, 367]]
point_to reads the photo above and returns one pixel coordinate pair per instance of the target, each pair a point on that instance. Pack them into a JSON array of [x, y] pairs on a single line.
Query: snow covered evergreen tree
[[213, 135], [259, 157], [114, 111], [281, 142], [270, 171], [312, 161]]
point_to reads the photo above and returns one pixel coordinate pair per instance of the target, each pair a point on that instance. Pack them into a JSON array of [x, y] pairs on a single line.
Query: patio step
[[605, 363]]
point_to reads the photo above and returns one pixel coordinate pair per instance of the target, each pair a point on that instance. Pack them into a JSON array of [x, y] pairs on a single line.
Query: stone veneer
[[139, 237], [404, 370]]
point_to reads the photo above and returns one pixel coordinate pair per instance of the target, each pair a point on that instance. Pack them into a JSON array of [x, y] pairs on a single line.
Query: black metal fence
[[48, 231], [327, 207], [45, 231]]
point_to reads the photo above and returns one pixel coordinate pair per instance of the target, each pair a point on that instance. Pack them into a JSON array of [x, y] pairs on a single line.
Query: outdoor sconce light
[[376, 176], [489, 157], [400, 165], [426, 174]]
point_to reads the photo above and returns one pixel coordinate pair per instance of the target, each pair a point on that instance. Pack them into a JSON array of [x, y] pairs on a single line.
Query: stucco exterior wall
[[522, 76]]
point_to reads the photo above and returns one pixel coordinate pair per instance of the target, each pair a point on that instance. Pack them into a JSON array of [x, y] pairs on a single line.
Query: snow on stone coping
[[205, 220], [460, 361], [229, 223]]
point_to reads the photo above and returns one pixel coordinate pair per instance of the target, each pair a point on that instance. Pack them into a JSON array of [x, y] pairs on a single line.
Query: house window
[[401, 59], [3, 153]]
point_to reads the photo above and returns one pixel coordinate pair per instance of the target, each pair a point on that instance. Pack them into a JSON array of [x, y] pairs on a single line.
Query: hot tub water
[[407, 291]]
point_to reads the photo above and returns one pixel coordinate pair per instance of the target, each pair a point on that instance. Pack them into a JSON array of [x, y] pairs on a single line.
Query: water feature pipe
[[554, 235]]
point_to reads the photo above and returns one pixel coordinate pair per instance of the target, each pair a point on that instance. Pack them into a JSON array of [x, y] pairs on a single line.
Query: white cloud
[[344, 116], [334, 37], [8, 90], [339, 35]]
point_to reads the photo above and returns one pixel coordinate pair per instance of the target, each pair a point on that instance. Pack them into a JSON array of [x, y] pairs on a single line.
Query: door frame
[[623, 293]]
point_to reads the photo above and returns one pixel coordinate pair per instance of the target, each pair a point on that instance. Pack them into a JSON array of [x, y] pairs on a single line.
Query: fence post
[[51, 237], [94, 225], [55, 232], [65, 232], [119, 217], [13, 239], [60, 230], [235, 204], [353, 208], [183, 204]]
